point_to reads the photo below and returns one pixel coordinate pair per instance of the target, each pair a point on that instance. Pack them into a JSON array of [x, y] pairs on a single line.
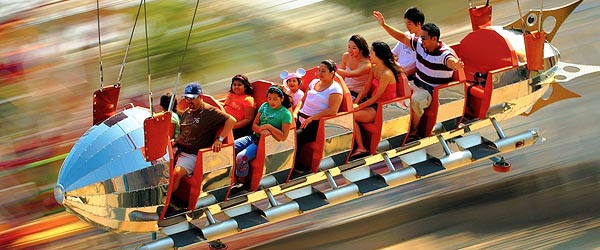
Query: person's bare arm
[[278, 134], [255, 126], [365, 89], [395, 33], [248, 115], [297, 108], [455, 63], [227, 127], [363, 69], [334, 104], [386, 79]]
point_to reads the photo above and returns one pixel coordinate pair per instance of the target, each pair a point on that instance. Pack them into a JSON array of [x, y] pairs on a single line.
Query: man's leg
[[178, 173], [184, 166], [421, 99]]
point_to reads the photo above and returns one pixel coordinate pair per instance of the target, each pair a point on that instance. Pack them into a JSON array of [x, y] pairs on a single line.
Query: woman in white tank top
[[355, 66], [323, 98]]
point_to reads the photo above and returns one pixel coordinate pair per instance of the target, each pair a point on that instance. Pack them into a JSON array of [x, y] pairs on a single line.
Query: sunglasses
[[190, 98]]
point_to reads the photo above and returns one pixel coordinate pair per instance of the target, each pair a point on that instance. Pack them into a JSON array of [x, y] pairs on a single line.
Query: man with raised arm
[[435, 63], [405, 56]]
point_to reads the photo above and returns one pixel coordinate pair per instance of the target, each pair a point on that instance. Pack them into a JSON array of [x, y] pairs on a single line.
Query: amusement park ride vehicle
[[117, 177]]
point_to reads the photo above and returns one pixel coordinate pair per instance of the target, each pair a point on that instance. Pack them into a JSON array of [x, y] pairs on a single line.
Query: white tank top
[[318, 101]]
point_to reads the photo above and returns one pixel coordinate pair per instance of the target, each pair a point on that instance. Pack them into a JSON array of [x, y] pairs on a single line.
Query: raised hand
[[379, 17]]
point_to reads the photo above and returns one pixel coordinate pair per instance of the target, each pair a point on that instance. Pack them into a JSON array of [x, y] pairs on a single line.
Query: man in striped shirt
[[435, 63]]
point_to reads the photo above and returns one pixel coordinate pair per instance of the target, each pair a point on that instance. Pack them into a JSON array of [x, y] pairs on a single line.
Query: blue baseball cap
[[192, 90]]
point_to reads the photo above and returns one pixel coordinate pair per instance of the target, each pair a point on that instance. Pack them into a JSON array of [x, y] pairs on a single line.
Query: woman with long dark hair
[[355, 66], [273, 118], [380, 87], [240, 104]]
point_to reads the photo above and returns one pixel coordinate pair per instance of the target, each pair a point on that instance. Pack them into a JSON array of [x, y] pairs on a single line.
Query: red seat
[[481, 16], [208, 174], [105, 103], [449, 113], [312, 153], [483, 51], [273, 158], [260, 91], [374, 129], [157, 135], [308, 77]]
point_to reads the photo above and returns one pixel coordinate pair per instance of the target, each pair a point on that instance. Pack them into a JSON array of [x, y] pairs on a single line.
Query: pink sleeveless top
[[388, 94]]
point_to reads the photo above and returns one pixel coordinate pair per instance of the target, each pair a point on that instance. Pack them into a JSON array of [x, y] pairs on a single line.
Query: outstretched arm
[[365, 89], [395, 33], [363, 69], [278, 134], [334, 103], [248, 115], [229, 123], [455, 63]]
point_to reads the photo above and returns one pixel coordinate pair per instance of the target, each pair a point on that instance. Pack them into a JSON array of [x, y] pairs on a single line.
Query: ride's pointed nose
[[59, 193]]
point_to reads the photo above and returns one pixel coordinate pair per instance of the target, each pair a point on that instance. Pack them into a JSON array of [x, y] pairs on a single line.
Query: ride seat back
[[213, 171], [104, 103], [158, 130], [273, 158], [308, 77], [447, 107], [260, 91], [334, 138], [392, 120], [483, 51]]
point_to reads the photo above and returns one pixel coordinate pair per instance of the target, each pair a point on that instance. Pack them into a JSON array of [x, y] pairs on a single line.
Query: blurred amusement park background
[[49, 67]]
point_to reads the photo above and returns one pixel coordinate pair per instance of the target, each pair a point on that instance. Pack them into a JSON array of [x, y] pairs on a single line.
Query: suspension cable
[[487, 3], [101, 70], [120, 77], [521, 17], [183, 56], [540, 17], [148, 60]]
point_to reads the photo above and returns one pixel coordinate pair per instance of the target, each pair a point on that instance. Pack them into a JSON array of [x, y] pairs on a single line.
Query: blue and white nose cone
[[105, 176]]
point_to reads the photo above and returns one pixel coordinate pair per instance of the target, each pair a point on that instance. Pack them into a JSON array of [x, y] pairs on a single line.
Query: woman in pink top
[[381, 87], [355, 66], [240, 105]]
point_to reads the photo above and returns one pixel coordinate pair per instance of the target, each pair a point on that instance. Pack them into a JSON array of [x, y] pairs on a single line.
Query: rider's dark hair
[[244, 80], [330, 64], [414, 15], [432, 30], [361, 43], [166, 99], [278, 90], [383, 52]]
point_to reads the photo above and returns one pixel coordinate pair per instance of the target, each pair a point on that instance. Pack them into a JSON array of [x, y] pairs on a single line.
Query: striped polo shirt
[[431, 66]]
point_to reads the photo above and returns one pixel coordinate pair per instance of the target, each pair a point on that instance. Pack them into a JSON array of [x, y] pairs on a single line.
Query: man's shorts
[[421, 99], [187, 162]]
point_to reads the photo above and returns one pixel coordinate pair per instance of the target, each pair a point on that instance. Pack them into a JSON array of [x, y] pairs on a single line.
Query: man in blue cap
[[199, 125]]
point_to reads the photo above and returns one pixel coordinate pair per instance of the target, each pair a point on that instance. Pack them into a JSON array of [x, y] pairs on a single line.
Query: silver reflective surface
[[106, 176], [396, 118], [452, 102], [217, 168], [518, 87], [279, 155], [338, 134], [519, 95]]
